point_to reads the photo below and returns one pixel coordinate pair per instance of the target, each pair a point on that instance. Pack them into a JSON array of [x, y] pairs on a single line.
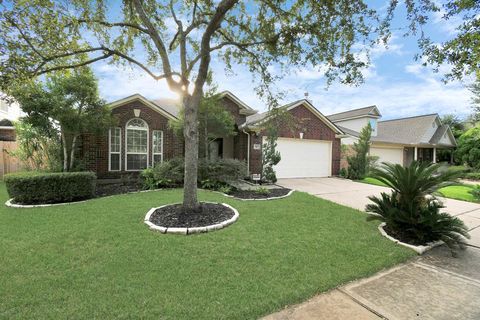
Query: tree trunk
[[72, 152], [65, 152], [190, 133]]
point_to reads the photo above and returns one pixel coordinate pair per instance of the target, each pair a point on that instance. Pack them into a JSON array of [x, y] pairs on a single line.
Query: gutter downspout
[[248, 151]]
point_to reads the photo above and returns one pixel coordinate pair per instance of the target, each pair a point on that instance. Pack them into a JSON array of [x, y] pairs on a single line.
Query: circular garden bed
[[172, 219], [267, 194]]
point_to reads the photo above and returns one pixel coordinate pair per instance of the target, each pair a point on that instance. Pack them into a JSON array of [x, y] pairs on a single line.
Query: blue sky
[[395, 82]]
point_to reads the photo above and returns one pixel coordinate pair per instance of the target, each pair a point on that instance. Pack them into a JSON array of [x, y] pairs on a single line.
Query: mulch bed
[[110, 189], [173, 216], [251, 194], [402, 236]]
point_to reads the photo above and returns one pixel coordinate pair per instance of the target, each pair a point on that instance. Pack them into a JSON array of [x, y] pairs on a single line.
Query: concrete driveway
[[433, 286], [355, 195]]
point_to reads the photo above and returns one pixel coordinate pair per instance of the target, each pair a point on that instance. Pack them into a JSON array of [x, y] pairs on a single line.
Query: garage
[[302, 158], [392, 155]]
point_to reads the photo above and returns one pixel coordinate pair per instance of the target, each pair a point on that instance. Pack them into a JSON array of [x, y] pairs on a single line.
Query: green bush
[[168, 174], [212, 174], [411, 210], [468, 149], [472, 175], [43, 188], [221, 170], [475, 192]]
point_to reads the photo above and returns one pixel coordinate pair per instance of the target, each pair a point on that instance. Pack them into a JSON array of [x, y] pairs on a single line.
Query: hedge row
[[43, 188]]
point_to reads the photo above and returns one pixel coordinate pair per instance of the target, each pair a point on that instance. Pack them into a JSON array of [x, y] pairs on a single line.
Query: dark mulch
[[110, 189], [402, 236], [173, 216], [251, 194]]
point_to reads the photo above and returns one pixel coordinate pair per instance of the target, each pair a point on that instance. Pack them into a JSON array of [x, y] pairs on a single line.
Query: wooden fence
[[8, 163]]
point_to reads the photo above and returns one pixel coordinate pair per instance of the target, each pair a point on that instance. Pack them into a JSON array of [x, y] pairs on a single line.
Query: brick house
[[309, 148]]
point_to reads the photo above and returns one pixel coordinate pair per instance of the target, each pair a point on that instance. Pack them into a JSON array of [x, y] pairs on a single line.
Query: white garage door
[[304, 158], [391, 155]]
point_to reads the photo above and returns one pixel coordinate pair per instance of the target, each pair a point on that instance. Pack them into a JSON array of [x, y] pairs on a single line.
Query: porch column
[[415, 154], [434, 155]]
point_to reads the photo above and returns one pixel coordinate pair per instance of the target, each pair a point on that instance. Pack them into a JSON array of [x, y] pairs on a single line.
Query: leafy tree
[[475, 89], [39, 36], [358, 164], [67, 103], [214, 122], [457, 125], [468, 149], [37, 149]]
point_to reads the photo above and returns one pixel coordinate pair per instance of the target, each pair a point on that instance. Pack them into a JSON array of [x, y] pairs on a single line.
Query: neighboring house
[[397, 141], [9, 112], [142, 138]]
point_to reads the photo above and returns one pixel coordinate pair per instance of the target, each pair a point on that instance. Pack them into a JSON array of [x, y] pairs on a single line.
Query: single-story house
[[142, 138], [397, 141]]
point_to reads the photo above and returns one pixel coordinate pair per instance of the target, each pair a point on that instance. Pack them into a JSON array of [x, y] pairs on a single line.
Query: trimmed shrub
[[168, 174], [212, 174], [44, 188], [475, 192]]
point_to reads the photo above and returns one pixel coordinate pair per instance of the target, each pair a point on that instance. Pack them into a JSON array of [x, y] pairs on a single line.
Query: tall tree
[[67, 102], [214, 122], [475, 89], [358, 164], [176, 40]]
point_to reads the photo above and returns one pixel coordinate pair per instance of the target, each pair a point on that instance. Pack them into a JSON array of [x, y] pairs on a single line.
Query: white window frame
[[110, 150], [126, 144], [161, 147]]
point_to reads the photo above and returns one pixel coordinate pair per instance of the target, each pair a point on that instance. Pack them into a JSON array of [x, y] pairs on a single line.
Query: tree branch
[[157, 40], [73, 66], [114, 24]]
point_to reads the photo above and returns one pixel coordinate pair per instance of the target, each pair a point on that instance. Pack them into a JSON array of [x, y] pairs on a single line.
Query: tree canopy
[[66, 103], [176, 40]]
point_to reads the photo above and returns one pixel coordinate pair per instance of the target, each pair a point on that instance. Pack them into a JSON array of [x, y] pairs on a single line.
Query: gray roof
[[437, 137], [171, 106], [405, 131], [349, 131], [367, 111], [6, 123], [411, 131]]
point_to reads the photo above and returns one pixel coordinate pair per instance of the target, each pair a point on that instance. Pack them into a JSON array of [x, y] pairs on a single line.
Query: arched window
[[136, 145]]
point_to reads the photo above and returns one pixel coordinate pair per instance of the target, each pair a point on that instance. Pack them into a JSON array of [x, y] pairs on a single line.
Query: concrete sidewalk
[[355, 195], [434, 286]]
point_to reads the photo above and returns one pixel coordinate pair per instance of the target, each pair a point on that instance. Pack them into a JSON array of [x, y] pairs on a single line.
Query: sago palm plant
[[411, 210]]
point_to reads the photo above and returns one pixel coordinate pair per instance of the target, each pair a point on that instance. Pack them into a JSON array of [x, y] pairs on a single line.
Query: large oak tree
[[176, 41]]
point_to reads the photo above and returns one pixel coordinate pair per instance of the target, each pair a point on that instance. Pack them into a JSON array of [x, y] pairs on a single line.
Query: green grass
[[458, 192], [98, 260]]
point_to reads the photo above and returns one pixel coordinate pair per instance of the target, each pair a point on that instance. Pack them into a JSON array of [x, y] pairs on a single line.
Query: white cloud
[[116, 83]]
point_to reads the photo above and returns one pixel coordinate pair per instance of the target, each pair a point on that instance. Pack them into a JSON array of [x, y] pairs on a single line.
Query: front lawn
[[459, 192], [98, 260]]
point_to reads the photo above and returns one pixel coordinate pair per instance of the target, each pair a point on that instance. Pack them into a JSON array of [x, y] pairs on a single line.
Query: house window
[[115, 136], [373, 124], [157, 147], [136, 145]]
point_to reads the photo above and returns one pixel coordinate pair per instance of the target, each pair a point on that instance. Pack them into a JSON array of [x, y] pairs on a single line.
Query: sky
[[397, 84]]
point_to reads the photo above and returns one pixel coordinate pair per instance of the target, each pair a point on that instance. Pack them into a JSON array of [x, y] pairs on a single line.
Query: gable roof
[[172, 106], [257, 119], [370, 111], [244, 108], [405, 130], [146, 102]]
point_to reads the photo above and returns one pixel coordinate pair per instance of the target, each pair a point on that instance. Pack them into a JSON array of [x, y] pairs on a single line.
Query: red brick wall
[[7, 135], [95, 149], [302, 120]]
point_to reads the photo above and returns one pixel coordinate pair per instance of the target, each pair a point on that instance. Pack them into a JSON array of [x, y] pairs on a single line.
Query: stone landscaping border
[[417, 249], [261, 199], [9, 203], [192, 230]]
